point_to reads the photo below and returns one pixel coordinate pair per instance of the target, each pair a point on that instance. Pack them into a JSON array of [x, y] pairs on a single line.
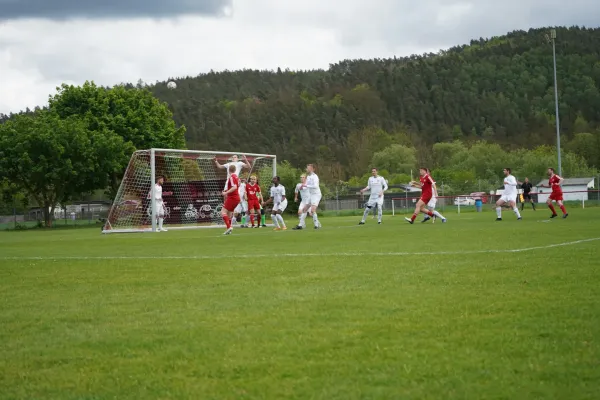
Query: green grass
[[175, 316]]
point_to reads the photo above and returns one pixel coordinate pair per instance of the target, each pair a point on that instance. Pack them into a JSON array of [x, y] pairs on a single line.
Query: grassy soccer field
[[471, 309]]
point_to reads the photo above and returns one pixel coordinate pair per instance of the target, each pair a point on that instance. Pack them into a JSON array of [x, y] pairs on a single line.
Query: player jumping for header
[[508, 196], [426, 184], [235, 162], [377, 186]]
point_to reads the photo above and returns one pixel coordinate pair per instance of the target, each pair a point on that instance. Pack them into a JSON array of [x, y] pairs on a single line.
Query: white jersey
[[242, 191], [277, 193], [304, 193], [157, 192], [238, 167], [377, 185], [312, 183], [510, 186]]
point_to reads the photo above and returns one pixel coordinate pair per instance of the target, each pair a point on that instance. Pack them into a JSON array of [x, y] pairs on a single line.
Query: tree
[[586, 145], [396, 158], [133, 114], [54, 159]]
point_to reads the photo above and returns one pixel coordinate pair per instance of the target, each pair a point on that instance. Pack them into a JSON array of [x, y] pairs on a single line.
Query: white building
[[573, 189]]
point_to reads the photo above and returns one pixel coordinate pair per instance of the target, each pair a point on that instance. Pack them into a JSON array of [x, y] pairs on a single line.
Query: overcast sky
[[46, 42]]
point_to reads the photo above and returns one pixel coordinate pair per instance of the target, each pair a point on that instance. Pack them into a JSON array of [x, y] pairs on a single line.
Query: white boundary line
[[292, 255]]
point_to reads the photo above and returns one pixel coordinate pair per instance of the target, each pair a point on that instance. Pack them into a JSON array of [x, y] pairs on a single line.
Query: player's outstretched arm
[[217, 164], [246, 163]]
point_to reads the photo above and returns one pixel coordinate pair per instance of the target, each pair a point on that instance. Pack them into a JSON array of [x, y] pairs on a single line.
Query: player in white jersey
[[238, 166], [279, 201], [377, 186], [242, 208], [433, 202], [304, 206], [312, 183], [160, 205], [509, 196]]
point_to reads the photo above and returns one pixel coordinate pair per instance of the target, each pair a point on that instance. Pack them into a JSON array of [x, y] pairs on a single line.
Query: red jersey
[[232, 181], [426, 186], [252, 191], [554, 183]]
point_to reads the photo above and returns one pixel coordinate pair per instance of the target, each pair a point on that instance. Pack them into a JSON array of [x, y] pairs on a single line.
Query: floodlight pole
[[553, 38]]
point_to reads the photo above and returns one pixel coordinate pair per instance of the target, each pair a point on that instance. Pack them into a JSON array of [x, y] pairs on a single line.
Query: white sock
[[315, 219], [516, 211], [160, 223], [499, 212], [379, 213], [365, 214], [280, 219], [233, 220], [303, 219], [437, 214], [274, 218]]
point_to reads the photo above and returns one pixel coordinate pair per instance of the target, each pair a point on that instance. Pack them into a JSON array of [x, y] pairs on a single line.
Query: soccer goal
[[191, 190]]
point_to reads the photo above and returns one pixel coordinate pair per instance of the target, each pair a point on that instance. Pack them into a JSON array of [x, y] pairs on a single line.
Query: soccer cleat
[[427, 218], [566, 215], [553, 216], [410, 221], [163, 230], [444, 220], [318, 226], [284, 228], [361, 223], [498, 219], [297, 228], [228, 231], [379, 222], [276, 229], [520, 218], [243, 226]]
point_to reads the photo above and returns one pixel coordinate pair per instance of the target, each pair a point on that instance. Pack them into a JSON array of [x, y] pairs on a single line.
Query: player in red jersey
[[426, 184], [232, 198], [554, 182], [252, 193]]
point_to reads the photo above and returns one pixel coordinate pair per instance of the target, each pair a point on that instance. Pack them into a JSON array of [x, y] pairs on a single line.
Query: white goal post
[[192, 188]]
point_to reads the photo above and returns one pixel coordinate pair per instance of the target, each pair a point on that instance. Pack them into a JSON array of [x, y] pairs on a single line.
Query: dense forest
[[499, 90]]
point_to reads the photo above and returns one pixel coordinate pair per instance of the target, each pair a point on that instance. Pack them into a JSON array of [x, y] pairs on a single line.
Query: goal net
[[191, 190]]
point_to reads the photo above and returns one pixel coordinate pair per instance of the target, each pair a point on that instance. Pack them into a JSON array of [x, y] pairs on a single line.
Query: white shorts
[[508, 199], [242, 207], [376, 200], [315, 199], [303, 205], [160, 209], [280, 206], [432, 202]]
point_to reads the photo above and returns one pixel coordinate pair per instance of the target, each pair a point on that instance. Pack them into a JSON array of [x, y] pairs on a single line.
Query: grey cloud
[[102, 9]]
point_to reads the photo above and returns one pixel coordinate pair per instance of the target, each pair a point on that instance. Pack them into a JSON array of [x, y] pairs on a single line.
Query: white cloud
[[38, 55]]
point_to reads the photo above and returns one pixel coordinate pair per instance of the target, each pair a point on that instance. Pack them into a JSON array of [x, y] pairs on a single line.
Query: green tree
[[54, 159], [586, 145], [133, 114], [395, 158]]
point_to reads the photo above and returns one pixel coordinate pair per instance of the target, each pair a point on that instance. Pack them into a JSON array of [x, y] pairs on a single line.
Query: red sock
[[551, 207], [430, 213], [252, 219], [414, 216], [563, 209], [227, 221]]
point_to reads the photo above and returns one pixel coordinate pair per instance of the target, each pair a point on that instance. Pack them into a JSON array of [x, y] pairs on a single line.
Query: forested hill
[[498, 89]]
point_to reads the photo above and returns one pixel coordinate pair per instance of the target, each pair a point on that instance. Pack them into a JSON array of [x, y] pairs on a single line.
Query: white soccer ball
[[171, 85]]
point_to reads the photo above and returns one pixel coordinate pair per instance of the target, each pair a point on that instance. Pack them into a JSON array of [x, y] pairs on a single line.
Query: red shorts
[[231, 203], [426, 198], [556, 196], [253, 204]]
